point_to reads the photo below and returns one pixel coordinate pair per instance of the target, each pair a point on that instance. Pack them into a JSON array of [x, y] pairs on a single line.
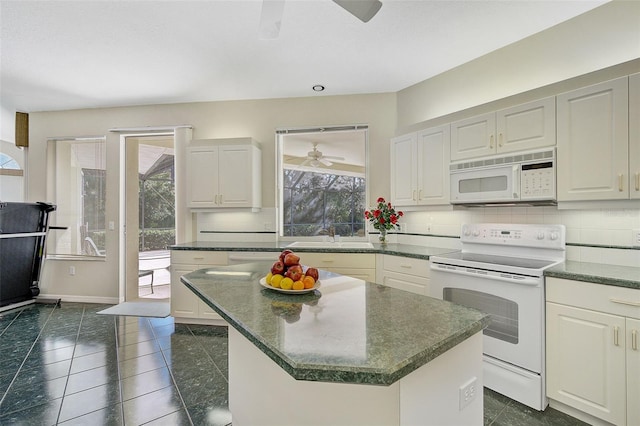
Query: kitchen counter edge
[[598, 273]]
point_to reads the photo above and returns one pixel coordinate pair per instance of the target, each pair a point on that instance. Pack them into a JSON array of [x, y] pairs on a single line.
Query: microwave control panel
[[538, 180]]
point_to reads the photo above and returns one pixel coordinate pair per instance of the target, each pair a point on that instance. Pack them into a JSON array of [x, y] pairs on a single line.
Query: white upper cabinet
[[404, 170], [634, 136], [519, 128], [224, 174], [420, 168], [593, 142]]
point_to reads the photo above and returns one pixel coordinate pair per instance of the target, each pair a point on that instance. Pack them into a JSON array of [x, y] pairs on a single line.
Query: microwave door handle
[[515, 171]]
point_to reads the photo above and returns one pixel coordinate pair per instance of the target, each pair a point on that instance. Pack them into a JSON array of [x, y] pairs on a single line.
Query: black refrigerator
[[23, 231]]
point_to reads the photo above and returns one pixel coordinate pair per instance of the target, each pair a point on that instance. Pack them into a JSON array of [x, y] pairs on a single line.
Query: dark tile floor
[[67, 365]]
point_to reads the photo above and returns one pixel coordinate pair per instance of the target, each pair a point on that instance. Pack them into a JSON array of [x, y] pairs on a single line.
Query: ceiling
[[58, 55]]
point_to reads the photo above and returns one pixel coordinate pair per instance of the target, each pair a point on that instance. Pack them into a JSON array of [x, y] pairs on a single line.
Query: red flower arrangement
[[383, 217]]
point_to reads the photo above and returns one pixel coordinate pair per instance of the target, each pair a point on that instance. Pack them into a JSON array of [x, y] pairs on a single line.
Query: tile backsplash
[[596, 235], [602, 236]]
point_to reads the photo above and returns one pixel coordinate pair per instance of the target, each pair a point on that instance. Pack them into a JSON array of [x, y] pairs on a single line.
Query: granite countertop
[[600, 273], [347, 331], [406, 250]]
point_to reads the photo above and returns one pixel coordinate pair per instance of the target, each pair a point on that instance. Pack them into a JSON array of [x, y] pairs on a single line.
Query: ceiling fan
[[272, 10], [315, 158]]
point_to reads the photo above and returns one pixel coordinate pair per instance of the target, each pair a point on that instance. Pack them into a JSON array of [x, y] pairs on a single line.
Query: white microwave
[[528, 178]]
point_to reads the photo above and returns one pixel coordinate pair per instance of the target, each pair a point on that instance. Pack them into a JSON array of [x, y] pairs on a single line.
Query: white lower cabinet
[[356, 265], [186, 307], [404, 273], [593, 358]]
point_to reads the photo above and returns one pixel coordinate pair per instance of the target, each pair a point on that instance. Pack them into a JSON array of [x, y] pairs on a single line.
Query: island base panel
[[261, 392]]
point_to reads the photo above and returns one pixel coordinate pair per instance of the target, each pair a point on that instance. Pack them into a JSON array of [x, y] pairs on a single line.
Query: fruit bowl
[[263, 283]]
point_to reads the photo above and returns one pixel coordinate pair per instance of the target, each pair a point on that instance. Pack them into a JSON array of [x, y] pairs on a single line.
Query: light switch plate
[[636, 238]]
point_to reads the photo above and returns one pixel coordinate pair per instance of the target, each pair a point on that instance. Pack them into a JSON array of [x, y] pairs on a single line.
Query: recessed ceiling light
[[318, 88]]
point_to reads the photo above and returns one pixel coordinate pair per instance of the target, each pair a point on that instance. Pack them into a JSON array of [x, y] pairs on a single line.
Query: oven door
[[490, 185], [516, 307]]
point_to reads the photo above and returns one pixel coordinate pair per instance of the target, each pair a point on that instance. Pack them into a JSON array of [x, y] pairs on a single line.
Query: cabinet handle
[[419, 194], [220, 198], [616, 332], [215, 199], [620, 182], [634, 340], [637, 175], [491, 141], [198, 258], [405, 265], [624, 302], [413, 195], [500, 139]]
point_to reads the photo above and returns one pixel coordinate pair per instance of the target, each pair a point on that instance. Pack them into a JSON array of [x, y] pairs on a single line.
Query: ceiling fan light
[[364, 10]]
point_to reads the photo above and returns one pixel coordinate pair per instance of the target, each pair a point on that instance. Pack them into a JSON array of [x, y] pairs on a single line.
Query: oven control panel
[[543, 236]]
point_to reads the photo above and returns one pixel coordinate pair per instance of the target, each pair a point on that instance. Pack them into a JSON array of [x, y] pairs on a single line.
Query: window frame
[[84, 249], [279, 136]]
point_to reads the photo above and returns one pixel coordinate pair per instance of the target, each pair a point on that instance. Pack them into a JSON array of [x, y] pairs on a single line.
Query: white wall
[[602, 38], [257, 119], [597, 46]]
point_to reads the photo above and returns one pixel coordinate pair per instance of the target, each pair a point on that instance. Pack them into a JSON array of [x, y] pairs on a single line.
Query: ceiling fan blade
[[324, 161], [333, 157], [364, 10], [271, 19], [305, 162]]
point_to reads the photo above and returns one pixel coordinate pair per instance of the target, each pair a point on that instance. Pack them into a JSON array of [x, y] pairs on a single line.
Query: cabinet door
[[634, 137], [403, 170], [184, 303], [528, 126], [361, 274], [235, 176], [593, 142], [411, 283], [633, 371], [586, 361], [202, 188], [473, 137], [433, 165]]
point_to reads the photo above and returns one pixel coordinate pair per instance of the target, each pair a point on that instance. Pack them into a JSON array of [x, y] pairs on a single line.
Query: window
[[322, 181], [78, 175]]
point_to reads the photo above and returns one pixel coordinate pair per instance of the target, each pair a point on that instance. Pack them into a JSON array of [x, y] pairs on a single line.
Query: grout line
[[173, 379]]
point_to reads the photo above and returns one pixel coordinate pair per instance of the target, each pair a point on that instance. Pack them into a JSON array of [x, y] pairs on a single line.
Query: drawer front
[[598, 297], [199, 257], [338, 260], [406, 265]]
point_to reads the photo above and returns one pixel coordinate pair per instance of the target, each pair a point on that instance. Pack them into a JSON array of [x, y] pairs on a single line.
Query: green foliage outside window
[[313, 202]]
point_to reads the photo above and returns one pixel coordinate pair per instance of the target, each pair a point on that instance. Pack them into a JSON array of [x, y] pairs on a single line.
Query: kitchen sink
[[329, 244]]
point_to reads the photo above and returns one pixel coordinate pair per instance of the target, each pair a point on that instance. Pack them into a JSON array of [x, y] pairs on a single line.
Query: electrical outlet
[[468, 392], [636, 238], [72, 270]]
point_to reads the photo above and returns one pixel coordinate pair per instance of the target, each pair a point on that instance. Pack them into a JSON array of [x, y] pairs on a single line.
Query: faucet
[[332, 232]]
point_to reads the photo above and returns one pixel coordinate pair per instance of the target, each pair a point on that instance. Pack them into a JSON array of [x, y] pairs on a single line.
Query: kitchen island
[[350, 352]]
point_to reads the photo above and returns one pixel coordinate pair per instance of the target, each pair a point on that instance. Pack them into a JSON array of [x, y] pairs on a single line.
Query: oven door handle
[[493, 275]]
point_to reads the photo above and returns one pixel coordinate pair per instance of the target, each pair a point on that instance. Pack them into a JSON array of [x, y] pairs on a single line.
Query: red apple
[[294, 272], [284, 253], [277, 268], [312, 272], [291, 259]]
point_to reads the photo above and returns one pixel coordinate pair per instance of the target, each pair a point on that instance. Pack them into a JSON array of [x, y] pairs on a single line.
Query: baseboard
[[580, 415], [80, 299]]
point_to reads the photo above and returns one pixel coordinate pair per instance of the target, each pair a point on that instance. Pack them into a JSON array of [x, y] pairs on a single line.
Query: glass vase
[[383, 236]]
